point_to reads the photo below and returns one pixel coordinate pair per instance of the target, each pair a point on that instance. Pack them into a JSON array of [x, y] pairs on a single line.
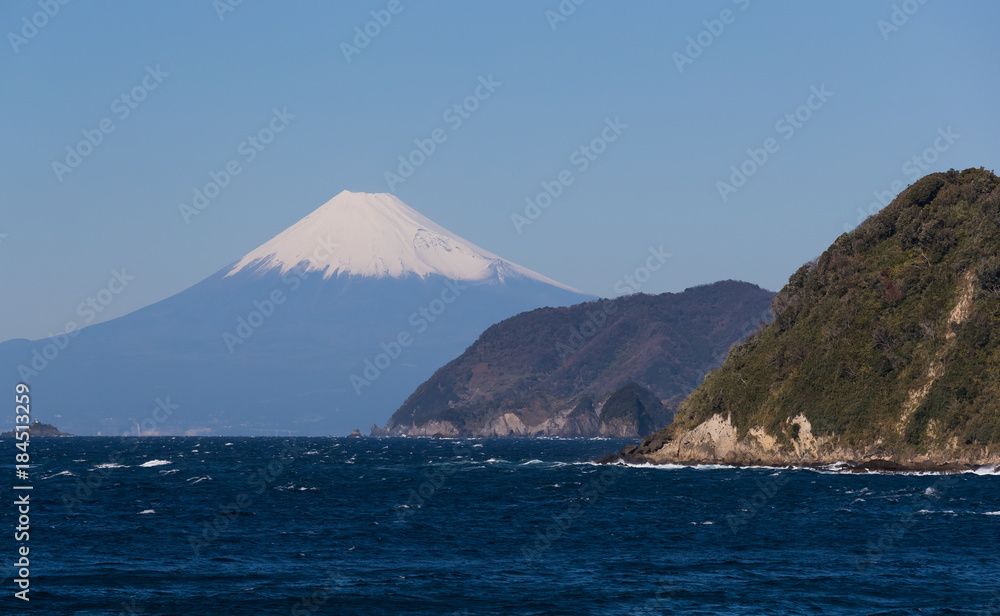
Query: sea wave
[[60, 474], [838, 468], [152, 463]]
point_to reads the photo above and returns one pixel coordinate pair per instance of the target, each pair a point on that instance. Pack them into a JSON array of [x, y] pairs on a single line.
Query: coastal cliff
[[884, 352], [611, 368]]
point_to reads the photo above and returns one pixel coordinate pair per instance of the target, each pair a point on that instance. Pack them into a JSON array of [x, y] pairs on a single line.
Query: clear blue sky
[[656, 184]]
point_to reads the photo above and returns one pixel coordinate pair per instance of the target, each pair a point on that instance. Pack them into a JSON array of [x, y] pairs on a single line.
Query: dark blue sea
[[216, 526]]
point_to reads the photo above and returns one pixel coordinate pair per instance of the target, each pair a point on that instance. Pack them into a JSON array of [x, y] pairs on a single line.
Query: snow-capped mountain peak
[[377, 235]]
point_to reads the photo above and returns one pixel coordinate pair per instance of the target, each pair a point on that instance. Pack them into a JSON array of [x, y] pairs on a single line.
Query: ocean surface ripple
[[197, 525]]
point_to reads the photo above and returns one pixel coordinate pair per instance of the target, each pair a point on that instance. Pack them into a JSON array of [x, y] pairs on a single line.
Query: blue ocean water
[[513, 527]]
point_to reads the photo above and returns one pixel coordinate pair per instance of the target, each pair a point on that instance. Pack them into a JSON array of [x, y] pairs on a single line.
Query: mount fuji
[[327, 327]]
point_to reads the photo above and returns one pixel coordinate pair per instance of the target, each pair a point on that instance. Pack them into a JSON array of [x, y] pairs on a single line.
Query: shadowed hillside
[[550, 371]]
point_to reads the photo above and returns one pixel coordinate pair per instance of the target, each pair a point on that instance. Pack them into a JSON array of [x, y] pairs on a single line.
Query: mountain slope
[[327, 327], [885, 348], [550, 371]]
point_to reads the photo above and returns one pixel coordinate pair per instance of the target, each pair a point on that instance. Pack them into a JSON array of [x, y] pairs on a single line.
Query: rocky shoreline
[[879, 465], [715, 442]]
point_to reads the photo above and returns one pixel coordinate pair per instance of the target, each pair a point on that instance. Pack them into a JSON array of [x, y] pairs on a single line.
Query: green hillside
[[887, 345]]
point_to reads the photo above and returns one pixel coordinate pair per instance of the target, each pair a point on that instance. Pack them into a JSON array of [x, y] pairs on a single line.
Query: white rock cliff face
[[715, 441]]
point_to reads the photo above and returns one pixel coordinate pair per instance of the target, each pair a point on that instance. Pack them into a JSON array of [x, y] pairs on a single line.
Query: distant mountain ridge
[[884, 352], [554, 371], [269, 344]]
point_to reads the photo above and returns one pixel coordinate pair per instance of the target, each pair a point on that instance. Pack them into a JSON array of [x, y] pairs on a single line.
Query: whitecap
[[146, 511], [154, 463], [532, 462], [992, 513], [66, 473], [228, 444], [986, 470], [110, 465], [662, 467], [198, 479], [171, 471]]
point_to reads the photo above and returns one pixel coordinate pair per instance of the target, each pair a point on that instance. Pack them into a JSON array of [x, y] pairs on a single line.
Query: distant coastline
[[38, 429]]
